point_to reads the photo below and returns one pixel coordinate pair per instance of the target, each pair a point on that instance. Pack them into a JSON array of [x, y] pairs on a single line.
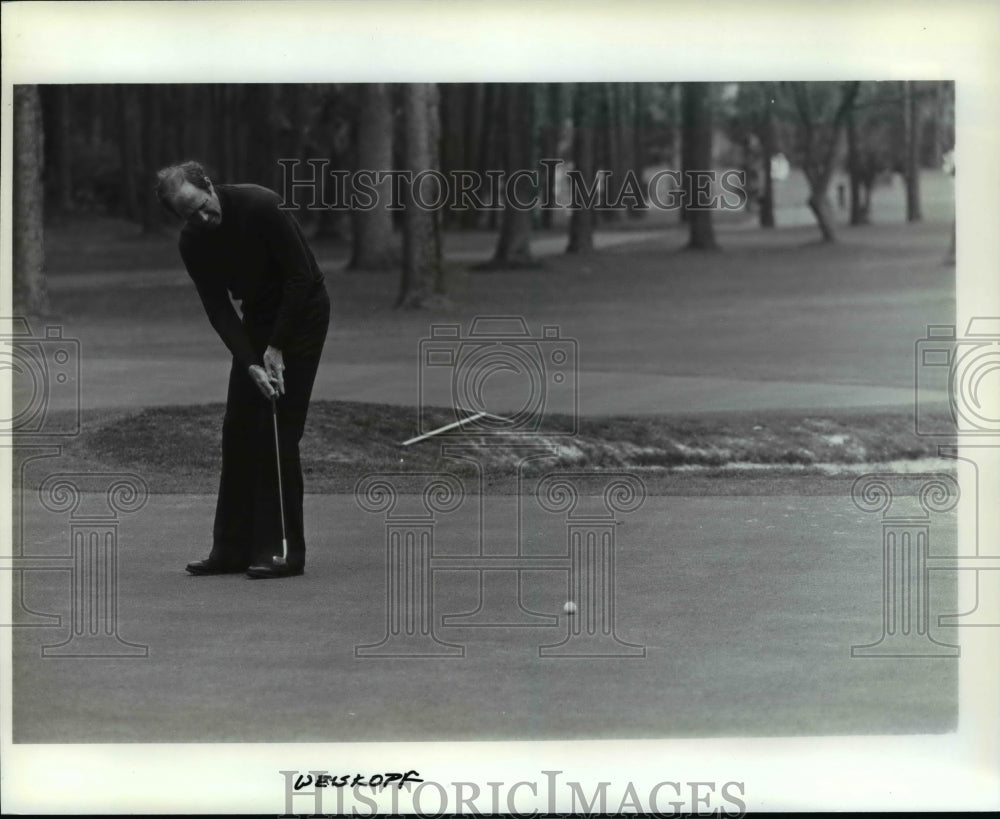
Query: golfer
[[237, 242]]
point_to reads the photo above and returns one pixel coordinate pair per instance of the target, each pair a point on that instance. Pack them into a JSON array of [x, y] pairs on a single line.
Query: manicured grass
[[747, 608], [771, 306]]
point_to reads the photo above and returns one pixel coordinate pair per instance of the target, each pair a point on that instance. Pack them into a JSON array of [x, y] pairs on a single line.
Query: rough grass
[[176, 449]]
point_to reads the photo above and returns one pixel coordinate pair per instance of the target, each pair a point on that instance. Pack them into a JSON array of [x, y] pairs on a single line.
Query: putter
[[283, 560]]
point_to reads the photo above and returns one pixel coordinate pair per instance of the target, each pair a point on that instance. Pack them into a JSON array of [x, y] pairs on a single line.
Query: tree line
[[96, 148]]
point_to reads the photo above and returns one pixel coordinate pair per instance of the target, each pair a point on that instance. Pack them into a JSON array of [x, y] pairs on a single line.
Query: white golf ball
[[570, 607]]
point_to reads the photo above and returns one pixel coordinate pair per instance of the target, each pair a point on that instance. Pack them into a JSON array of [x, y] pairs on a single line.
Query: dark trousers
[[247, 527]]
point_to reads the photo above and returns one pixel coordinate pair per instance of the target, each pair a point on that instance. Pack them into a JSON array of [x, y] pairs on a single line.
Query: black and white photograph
[[437, 408]]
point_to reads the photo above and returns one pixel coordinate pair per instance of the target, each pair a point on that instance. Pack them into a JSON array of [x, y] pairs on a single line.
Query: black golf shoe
[[268, 571], [209, 566]]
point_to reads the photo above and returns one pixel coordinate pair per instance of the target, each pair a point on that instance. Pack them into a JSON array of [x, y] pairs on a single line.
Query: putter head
[[278, 560]]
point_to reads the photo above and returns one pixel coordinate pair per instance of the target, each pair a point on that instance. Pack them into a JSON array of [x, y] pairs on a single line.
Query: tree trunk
[[550, 146], [98, 106], [189, 104], [491, 151], [59, 137], [421, 245], [129, 141], [697, 118], [228, 149], [768, 150], [30, 293], [373, 239], [514, 242], [475, 115], [821, 154], [937, 148], [911, 129], [215, 135], [581, 222], [152, 134], [173, 115], [819, 204], [193, 108], [452, 143], [636, 150], [240, 134], [749, 168], [614, 159], [438, 284], [859, 213], [682, 144], [263, 159]]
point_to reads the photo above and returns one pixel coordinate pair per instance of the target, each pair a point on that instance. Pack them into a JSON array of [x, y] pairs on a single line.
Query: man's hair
[[171, 179]]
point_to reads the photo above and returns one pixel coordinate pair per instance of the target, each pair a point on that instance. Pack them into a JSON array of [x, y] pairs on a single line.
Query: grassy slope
[[176, 449]]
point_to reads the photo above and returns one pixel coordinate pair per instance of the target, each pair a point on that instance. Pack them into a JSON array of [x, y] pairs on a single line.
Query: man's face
[[199, 208]]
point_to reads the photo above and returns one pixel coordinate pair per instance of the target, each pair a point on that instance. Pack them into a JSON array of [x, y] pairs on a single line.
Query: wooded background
[[95, 149]]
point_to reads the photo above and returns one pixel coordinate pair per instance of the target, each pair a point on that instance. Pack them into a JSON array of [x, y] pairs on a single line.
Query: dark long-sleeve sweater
[[259, 255]]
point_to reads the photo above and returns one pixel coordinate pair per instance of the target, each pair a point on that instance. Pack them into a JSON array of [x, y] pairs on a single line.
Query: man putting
[[235, 241]]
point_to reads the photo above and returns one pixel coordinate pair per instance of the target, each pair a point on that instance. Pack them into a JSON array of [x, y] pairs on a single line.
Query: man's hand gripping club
[[270, 379]]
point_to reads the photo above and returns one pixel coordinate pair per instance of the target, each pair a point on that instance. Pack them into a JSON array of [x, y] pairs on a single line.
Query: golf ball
[[570, 607]]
